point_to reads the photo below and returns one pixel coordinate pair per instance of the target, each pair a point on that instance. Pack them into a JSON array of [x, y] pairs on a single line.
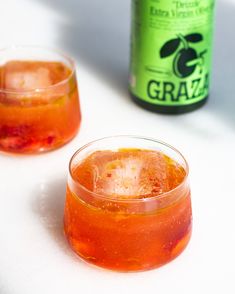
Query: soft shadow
[[222, 101], [48, 205], [97, 34]]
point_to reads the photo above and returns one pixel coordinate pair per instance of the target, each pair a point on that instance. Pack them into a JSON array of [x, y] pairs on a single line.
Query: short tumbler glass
[[39, 103], [127, 234]]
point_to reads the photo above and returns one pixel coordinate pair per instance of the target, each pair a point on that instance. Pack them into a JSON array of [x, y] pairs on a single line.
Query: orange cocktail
[[39, 106], [128, 204]]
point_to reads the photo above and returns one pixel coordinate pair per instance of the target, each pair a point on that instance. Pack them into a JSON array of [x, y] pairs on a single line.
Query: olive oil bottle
[[171, 49]]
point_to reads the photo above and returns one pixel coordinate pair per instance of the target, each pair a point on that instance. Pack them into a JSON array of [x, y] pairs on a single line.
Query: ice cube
[[132, 174], [26, 79], [119, 177]]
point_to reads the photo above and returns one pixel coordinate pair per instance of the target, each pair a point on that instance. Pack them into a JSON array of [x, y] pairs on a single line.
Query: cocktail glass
[[39, 103], [128, 205]]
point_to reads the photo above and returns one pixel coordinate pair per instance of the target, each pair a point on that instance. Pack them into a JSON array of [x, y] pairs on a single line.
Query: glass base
[[36, 147], [91, 261]]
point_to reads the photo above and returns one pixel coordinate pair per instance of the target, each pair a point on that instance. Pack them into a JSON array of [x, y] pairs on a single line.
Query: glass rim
[[40, 89], [140, 200]]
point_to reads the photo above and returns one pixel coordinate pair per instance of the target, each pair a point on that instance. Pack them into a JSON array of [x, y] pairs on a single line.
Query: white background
[[34, 256]]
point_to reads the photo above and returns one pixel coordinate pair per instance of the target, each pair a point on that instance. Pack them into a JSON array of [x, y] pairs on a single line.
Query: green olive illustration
[[181, 66], [186, 58]]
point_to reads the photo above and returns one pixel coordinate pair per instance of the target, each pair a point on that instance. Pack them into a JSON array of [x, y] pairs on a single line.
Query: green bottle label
[[171, 48]]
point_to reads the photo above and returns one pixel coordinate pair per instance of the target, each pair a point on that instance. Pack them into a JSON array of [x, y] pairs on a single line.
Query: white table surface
[[34, 256]]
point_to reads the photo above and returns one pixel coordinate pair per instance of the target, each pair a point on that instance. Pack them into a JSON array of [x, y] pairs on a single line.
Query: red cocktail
[[39, 106], [128, 204]]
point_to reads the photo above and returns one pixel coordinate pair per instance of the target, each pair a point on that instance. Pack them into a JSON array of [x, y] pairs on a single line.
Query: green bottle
[[171, 50]]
